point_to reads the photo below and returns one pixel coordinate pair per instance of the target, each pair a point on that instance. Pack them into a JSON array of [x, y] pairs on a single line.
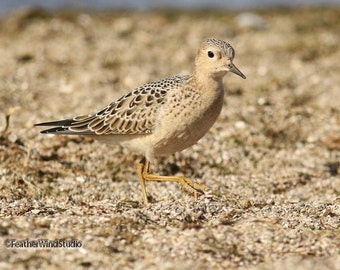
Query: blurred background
[[6, 6]]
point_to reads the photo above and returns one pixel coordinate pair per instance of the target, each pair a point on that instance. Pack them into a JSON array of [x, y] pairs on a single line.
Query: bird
[[161, 117]]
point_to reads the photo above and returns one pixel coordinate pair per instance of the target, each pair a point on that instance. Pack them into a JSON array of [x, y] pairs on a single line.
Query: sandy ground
[[271, 161]]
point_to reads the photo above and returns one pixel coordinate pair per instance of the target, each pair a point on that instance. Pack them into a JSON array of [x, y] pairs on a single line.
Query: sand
[[271, 161]]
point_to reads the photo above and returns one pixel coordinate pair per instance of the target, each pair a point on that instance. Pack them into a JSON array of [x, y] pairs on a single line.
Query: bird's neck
[[208, 82]]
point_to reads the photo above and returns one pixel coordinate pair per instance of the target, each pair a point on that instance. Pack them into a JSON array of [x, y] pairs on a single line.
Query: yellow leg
[[185, 183], [140, 172]]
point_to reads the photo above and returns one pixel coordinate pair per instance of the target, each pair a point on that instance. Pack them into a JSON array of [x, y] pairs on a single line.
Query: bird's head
[[215, 58]]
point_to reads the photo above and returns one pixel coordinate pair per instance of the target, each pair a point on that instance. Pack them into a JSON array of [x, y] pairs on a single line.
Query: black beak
[[232, 68]]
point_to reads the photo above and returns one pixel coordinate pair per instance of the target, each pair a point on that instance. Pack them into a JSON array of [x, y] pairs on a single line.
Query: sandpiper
[[162, 117]]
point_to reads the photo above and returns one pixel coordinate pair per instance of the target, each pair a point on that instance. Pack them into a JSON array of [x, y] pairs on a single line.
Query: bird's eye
[[211, 54]]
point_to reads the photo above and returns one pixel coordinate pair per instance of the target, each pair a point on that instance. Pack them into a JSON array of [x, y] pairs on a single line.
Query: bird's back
[[133, 113]]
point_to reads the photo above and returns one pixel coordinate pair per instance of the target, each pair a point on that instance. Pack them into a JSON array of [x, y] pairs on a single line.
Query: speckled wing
[[133, 113]]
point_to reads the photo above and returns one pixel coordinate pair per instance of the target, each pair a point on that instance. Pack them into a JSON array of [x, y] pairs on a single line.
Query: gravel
[[271, 161]]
